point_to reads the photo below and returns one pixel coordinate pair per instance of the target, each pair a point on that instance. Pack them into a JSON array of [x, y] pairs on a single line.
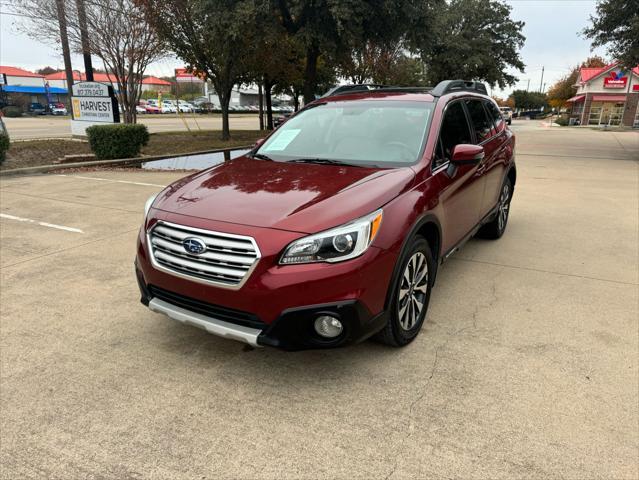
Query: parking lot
[[527, 366], [26, 128]]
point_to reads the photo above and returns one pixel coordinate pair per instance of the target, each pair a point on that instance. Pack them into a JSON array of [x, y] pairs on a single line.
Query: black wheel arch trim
[[419, 223]]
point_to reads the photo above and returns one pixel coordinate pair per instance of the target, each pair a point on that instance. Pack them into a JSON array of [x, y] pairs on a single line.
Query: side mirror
[[259, 142], [466, 154]]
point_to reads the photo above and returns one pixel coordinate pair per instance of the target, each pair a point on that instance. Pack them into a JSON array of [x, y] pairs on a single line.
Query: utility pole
[[528, 86], [84, 38], [64, 40], [542, 80]]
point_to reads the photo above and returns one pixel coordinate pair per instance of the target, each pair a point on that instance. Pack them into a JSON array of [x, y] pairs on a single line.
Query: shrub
[[117, 141], [4, 146], [563, 121], [12, 111]]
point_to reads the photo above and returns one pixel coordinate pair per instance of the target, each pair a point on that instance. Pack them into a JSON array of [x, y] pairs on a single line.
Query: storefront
[[606, 96]]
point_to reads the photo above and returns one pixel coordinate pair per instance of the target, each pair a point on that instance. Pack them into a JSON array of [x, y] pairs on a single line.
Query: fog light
[[328, 326]]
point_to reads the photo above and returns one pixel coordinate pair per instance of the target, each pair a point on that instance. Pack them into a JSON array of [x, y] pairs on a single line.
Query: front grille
[[215, 311], [227, 260]]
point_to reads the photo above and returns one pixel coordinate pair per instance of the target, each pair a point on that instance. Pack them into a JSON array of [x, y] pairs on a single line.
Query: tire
[[510, 122], [497, 226], [402, 326]]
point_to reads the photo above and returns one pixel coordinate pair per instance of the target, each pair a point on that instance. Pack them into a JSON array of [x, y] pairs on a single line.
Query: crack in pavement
[[422, 390]]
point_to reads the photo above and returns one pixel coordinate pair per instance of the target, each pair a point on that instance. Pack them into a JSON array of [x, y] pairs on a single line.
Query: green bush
[[4, 146], [117, 141], [12, 111], [563, 121]]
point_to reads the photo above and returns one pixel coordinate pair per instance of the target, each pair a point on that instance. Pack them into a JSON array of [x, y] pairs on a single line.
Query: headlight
[[147, 205], [335, 245]]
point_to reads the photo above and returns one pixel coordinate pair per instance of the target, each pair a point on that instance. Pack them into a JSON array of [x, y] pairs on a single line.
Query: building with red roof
[[606, 96], [156, 84], [23, 78]]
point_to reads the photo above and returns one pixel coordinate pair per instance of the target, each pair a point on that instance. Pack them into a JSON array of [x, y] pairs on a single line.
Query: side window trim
[[471, 130], [472, 127]]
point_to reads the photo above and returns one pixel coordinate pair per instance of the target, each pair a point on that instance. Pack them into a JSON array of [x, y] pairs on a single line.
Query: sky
[[552, 41]]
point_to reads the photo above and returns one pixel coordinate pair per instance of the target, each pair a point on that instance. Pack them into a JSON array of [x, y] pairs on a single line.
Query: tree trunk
[[310, 74], [261, 101], [64, 40], [225, 97], [268, 87]]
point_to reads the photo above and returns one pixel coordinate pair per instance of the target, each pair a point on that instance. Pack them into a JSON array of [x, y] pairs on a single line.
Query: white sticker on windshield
[[283, 139]]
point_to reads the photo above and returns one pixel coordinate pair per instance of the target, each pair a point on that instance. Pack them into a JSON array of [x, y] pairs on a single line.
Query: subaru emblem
[[193, 245]]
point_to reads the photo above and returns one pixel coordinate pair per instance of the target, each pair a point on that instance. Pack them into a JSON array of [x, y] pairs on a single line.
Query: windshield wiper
[[260, 156], [324, 161]]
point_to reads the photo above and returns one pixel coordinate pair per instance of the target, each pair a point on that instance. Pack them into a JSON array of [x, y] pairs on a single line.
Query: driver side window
[[454, 131]]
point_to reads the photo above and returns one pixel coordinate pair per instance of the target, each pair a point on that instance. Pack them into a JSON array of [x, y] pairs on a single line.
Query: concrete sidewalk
[[526, 368]]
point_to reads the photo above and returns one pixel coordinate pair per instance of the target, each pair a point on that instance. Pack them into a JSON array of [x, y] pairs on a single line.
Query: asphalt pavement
[[527, 366], [46, 126]]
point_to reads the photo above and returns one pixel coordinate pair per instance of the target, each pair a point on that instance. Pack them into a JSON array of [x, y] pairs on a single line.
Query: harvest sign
[[93, 103]]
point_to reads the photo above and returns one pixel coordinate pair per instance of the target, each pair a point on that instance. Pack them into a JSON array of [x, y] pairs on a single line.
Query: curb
[[113, 163]]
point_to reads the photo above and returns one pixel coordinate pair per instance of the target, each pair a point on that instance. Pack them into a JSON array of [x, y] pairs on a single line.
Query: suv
[[332, 229], [507, 114]]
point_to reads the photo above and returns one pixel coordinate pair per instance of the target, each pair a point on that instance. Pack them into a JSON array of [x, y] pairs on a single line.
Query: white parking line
[[110, 180], [42, 224]]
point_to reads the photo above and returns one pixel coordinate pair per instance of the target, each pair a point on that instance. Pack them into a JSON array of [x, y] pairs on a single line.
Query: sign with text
[[92, 103], [93, 109], [615, 80], [91, 89]]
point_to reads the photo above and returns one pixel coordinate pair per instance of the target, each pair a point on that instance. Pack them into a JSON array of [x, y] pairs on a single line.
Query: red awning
[[609, 98], [578, 98]]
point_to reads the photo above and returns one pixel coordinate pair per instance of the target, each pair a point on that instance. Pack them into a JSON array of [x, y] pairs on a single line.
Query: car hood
[[298, 197]]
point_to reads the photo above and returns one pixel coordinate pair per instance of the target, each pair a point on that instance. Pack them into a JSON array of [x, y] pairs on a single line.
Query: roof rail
[[358, 87], [450, 86], [368, 87]]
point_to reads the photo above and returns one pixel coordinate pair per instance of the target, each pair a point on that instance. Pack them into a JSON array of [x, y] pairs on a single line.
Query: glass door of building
[[594, 117], [606, 114]]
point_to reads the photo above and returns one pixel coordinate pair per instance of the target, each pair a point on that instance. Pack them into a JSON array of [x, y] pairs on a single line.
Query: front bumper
[[293, 330], [277, 305]]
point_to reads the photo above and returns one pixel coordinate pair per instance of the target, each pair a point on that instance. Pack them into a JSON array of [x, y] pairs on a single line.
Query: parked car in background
[[184, 107], [333, 228], [58, 109], [149, 108], [507, 113], [139, 109], [37, 109], [168, 107]]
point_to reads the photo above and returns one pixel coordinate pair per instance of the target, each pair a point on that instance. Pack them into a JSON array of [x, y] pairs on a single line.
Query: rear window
[[372, 132], [495, 114], [478, 117]]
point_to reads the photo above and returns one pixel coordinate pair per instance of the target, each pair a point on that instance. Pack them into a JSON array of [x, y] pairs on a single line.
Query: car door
[[485, 135], [461, 187], [495, 168]]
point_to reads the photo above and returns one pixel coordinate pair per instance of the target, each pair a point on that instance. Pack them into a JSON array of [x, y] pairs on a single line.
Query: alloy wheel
[[412, 291], [504, 206]]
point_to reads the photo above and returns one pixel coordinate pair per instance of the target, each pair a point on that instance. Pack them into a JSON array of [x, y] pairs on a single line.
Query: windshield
[[384, 133]]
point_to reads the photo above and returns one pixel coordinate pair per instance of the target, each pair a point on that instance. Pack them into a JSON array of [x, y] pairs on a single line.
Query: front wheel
[[497, 226], [410, 295]]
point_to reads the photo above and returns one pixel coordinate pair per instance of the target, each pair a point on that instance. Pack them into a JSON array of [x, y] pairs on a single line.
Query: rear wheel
[[497, 226], [410, 295]]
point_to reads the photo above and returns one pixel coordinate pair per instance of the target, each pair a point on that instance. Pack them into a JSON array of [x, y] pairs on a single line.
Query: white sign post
[[92, 103]]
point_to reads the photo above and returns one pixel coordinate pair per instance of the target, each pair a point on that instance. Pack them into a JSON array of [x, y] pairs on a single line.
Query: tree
[[616, 26], [331, 29], [121, 38], [529, 100], [211, 36], [46, 70], [476, 40], [382, 63]]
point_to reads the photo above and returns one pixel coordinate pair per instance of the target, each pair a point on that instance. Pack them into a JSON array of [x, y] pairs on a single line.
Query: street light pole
[[542, 80]]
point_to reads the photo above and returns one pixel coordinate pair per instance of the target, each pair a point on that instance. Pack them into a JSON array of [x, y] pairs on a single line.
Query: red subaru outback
[[333, 228]]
